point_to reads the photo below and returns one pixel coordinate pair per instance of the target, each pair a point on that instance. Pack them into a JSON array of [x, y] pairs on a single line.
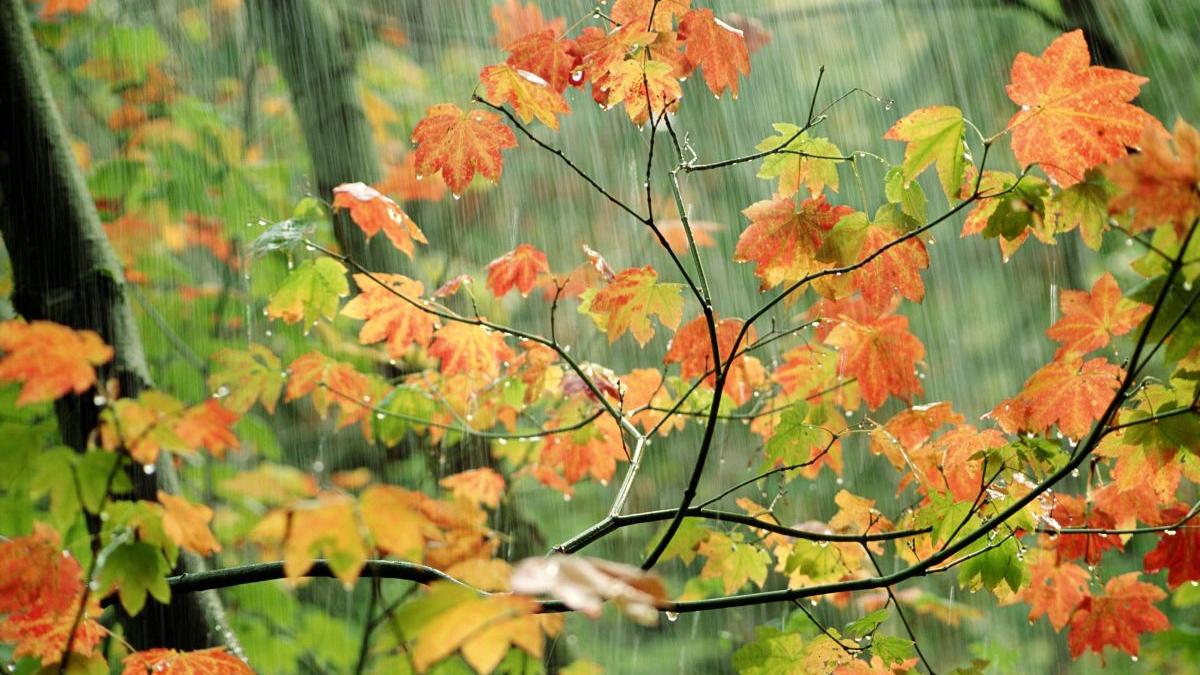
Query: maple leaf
[[1074, 115], [717, 48], [934, 136], [393, 310], [642, 388], [528, 93], [545, 55], [187, 524], [329, 381], [53, 8], [471, 350], [1159, 183], [374, 213], [692, 349], [1091, 319], [644, 86], [676, 234], [521, 268], [484, 486], [143, 427], [214, 661], [896, 270], [1055, 589], [515, 20], [310, 291], [798, 159], [1117, 618], [1075, 512], [41, 630], [458, 144], [585, 584], [402, 181], [49, 360], [241, 378], [629, 300], [1072, 394], [649, 14], [733, 561], [34, 571], [396, 522], [1178, 551], [909, 428], [1084, 205], [565, 458], [325, 527], [879, 352], [783, 242], [207, 425]]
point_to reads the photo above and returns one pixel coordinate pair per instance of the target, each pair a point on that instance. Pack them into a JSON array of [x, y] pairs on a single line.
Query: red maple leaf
[[1055, 589], [1091, 319], [1158, 184], [879, 351], [1075, 512], [691, 348], [896, 270], [1117, 618], [528, 93], [208, 425], [215, 661], [1072, 393], [389, 315], [545, 55], [515, 20], [1074, 115], [783, 242], [373, 212], [470, 350], [1178, 550], [717, 48], [520, 268], [459, 143], [49, 360]]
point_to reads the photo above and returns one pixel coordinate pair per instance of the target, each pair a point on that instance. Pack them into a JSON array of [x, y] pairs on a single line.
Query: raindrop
[[1075, 472], [1129, 242], [502, 441], [1169, 533], [812, 602], [672, 616], [566, 498], [318, 466], [379, 416], [889, 104], [99, 400], [148, 469], [221, 392], [457, 196]]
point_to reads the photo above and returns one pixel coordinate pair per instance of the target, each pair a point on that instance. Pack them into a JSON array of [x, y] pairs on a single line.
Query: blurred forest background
[[197, 123]]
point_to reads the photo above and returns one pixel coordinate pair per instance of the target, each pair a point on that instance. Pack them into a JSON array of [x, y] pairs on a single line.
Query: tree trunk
[[65, 271], [319, 68]]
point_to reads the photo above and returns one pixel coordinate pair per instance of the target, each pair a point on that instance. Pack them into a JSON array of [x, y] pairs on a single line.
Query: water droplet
[[456, 196], [1169, 533], [221, 392], [813, 602], [889, 104], [148, 469], [1133, 658], [1075, 472], [672, 616], [318, 466], [99, 400], [502, 441], [1129, 242], [566, 498], [379, 416]]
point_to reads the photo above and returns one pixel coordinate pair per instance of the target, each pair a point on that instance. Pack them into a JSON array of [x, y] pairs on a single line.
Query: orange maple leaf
[[566, 458], [1072, 393], [325, 527], [783, 242], [1074, 115], [545, 55], [910, 428], [896, 270], [655, 15], [515, 20], [645, 86], [691, 348], [1091, 319], [49, 359], [676, 234], [1159, 184], [187, 524], [207, 425], [330, 381], [470, 350], [35, 570], [879, 352], [373, 212], [1076, 512], [642, 389], [403, 182], [390, 313], [53, 8], [483, 485], [41, 631], [214, 661], [627, 302], [1178, 550], [521, 268], [395, 518], [458, 144], [530, 95], [1055, 588], [1117, 618], [717, 48]]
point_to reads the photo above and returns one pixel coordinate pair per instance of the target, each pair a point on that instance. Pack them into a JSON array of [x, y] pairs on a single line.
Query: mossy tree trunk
[[64, 270]]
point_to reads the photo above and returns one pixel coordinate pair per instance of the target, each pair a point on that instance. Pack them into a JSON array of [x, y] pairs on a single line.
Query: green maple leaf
[[311, 291], [804, 160], [934, 136]]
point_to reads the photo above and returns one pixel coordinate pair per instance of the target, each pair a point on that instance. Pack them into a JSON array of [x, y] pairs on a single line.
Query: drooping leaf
[[629, 300], [1074, 115], [187, 524], [396, 522], [934, 136], [394, 312], [243, 377], [49, 360], [717, 48], [470, 350], [374, 213], [325, 527], [585, 584], [484, 485], [521, 268], [1118, 617], [1091, 319], [528, 93], [1178, 551], [1084, 205], [458, 144], [545, 55], [310, 292], [214, 661], [799, 159], [207, 426], [692, 349], [879, 352], [330, 381], [645, 87], [136, 569], [1055, 589]]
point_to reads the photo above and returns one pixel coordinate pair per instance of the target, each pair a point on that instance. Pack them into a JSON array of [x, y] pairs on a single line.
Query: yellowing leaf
[[458, 144], [470, 350], [49, 360], [629, 300], [311, 291], [1073, 394], [373, 213], [1090, 319], [483, 486], [208, 426], [799, 160], [325, 527], [187, 524], [717, 48], [529, 94], [393, 312], [734, 562], [783, 242], [241, 378], [393, 517], [330, 381], [521, 268], [934, 136], [645, 86]]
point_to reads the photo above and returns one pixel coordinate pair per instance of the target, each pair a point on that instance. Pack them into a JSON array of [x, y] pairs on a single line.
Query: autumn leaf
[[49, 360], [692, 349], [208, 425], [1117, 618], [1084, 205], [629, 300], [908, 429], [330, 381], [1073, 394], [783, 242], [521, 268], [1074, 115], [41, 630], [545, 55], [528, 93], [733, 561], [1090, 320], [484, 486], [934, 136], [1159, 183], [392, 307], [243, 377], [187, 524], [676, 234], [1055, 589], [515, 20], [1178, 550], [325, 527], [585, 584], [880, 353], [566, 458], [402, 181], [643, 389], [54, 8], [214, 661], [896, 270], [644, 86], [1076, 512], [458, 144], [798, 159], [640, 13], [310, 291], [143, 427], [470, 350], [717, 48], [395, 519], [374, 213]]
